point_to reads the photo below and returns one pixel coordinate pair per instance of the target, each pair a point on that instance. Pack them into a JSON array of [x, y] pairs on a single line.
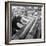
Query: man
[[15, 20]]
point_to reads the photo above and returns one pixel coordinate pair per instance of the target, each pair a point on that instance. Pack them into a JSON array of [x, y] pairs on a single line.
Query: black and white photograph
[[23, 18], [24, 22]]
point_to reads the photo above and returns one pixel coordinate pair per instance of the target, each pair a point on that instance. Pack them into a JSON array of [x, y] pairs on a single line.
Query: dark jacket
[[14, 22]]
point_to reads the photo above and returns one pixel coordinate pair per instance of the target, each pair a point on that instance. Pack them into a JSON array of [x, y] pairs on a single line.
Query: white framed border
[[42, 23]]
